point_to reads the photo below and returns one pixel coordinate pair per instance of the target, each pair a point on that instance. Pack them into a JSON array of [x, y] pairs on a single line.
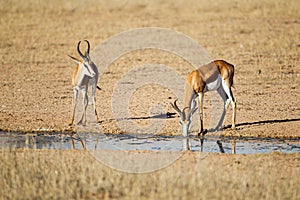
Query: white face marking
[[88, 69], [185, 125], [186, 128]]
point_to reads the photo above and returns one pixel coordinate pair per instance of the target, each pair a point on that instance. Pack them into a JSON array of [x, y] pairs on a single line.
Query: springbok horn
[[78, 49], [88, 49], [175, 107]]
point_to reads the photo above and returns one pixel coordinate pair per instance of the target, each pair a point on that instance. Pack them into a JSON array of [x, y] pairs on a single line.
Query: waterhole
[[148, 142]]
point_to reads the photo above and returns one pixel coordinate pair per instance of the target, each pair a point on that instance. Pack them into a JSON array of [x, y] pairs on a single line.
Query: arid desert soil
[[261, 39]]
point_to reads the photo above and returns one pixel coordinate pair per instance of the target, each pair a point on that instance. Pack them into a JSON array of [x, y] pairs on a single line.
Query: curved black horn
[[88, 49], [175, 107], [78, 49]]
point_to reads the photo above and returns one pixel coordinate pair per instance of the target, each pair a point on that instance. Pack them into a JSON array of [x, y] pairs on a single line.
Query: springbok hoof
[[80, 123], [202, 132]]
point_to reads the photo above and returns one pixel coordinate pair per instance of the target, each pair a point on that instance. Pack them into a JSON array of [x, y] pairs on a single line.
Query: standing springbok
[[85, 74], [217, 75]]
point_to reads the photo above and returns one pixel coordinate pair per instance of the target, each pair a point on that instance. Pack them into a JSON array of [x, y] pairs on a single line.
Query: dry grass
[[50, 174], [260, 37]]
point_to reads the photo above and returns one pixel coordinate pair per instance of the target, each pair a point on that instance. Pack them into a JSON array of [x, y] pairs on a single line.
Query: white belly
[[214, 85]]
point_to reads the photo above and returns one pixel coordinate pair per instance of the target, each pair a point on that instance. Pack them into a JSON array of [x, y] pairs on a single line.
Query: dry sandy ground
[[261, 38]]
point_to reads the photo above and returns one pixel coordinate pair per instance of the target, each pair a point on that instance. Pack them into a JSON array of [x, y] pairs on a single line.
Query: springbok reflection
[[186, 144]]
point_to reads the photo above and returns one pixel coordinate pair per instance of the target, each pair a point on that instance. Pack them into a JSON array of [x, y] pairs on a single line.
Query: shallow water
[[148, 142]]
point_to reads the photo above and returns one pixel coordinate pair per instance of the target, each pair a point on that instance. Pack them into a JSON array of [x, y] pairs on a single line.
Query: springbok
[[217, 75], [85, 74]]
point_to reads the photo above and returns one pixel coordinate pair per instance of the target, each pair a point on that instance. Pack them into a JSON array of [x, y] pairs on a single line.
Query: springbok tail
[[99, 88]]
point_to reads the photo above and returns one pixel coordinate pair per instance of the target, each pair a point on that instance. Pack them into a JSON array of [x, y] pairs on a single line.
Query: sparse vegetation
[[74, 174], [260, 37]]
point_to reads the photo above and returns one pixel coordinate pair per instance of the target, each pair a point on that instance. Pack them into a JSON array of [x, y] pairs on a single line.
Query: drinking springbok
[[85, 73], [217, 75]]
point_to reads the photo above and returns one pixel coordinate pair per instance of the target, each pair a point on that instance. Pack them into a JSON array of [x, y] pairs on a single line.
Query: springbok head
[[86, 62], [185, 116]]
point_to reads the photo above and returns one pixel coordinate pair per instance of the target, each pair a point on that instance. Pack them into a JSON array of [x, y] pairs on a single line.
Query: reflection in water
[[186, 145], [148, 142]]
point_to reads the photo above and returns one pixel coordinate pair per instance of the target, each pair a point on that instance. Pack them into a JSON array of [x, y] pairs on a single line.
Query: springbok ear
[[194, 110], [75, 60]]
